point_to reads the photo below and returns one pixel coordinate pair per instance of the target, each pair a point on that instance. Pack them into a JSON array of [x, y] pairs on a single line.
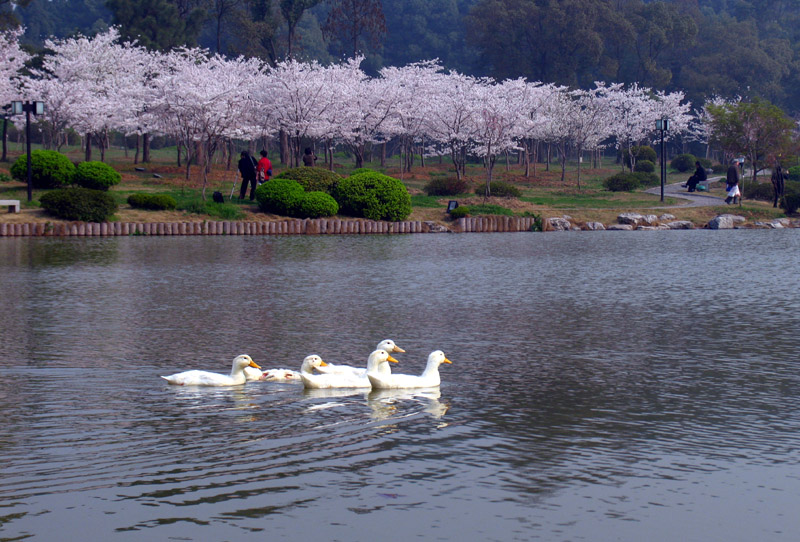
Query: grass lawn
[[543, 192]]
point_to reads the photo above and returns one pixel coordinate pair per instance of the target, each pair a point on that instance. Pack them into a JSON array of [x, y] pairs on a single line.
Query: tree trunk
[[146, 148], [178, 146], [136, 156], [88, 153], [284, 145], [383, 154], [5, 140]]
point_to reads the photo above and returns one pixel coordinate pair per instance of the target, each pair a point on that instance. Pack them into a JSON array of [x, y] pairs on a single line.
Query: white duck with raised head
[[387, 345], [349, 380], [205, 378], [428, 379]]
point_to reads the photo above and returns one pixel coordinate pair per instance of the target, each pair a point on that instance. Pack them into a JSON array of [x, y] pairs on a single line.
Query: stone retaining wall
[[320, 226]]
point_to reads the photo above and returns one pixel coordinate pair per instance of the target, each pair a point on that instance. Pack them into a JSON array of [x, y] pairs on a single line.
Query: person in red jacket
[[264, 168]]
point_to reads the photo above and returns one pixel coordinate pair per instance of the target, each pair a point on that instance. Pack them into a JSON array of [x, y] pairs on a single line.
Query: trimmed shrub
[[312, 179], [82, 204], [499, 189], [683, 162], [644, 165], [49, 169], [5, 178], [459, 212], [790, 203], [640, 153], [152, 202], [647, 179], [374, 196], [446, 186], [279, 196], [794, 173], [95, 175], [759, 191], [315, 205], [705, 162], [622, 182], [719, 168], [363, 170]]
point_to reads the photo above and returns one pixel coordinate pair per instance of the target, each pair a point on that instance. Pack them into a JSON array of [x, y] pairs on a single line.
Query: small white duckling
[[429, 378], [205, 378]]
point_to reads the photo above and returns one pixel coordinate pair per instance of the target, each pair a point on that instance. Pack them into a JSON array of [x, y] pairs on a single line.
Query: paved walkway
[[696, 199]]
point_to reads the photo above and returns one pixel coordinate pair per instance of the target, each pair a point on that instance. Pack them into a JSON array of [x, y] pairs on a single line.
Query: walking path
[[696, 199]]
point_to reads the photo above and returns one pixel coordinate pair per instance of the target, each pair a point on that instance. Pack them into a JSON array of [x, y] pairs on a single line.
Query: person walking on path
[[264, 168], [309, 158], [778, 184], [247, 168], [732, 184]]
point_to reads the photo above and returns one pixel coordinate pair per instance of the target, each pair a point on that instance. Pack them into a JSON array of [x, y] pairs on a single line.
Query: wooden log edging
[[318, 226]]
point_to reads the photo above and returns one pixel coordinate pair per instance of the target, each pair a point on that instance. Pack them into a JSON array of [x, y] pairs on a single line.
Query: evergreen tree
[[155, 24]]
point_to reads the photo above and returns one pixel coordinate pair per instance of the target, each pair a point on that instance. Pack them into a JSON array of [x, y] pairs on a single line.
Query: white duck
[[428, 379], [205, 378], [349, 380], [387, 344], [272, 375]]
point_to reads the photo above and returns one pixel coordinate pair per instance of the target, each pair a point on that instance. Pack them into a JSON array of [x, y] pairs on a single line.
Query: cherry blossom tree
[[12, 59], [200, 99]]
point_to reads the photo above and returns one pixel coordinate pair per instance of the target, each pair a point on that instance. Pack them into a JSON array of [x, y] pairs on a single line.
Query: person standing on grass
[[247, 168], [778, 184], [732, 184], [309, 158], [264, 168]]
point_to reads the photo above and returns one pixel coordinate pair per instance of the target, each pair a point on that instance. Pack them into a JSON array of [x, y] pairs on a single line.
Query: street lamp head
[[39, 108], [16, 108], [662, 125]]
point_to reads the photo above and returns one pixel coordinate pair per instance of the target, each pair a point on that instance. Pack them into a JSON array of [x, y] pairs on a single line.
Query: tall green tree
[[156, 24], [292, 11], [354, 21], [758, 129]]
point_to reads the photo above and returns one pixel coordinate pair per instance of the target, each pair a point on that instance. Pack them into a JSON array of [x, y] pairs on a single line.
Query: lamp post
[[662, 125], [37, 108]]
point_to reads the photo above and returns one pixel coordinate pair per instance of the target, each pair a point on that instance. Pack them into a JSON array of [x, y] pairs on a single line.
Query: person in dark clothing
[[247, 168], [732, 184], [698, 177], [778, 184], [309, 158]]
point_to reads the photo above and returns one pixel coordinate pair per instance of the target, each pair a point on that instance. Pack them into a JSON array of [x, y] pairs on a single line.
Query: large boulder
[[725, 222], [634, 219], [680, 225], [595, 226], [619, 227], [558, 223]]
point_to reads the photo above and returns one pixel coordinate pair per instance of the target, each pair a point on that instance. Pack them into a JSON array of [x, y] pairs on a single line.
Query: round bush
[[719, 168], [446, 186], [758, 191], [622, 182], [705, 162], [790, 203], [499, 189], [315, 205], [640, 153], [95, 175], [645, 165], [683, 162], [312, 179], [81, 204], [279, 196], [374, 196], [794, 173], [459, 212], [49, 169], [152, 202], [647, 179]]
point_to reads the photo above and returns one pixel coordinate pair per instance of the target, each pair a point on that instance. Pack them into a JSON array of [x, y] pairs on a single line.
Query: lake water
[[604, 386]]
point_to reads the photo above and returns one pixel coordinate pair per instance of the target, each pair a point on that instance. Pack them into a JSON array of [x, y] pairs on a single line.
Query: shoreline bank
[[323, 226]]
